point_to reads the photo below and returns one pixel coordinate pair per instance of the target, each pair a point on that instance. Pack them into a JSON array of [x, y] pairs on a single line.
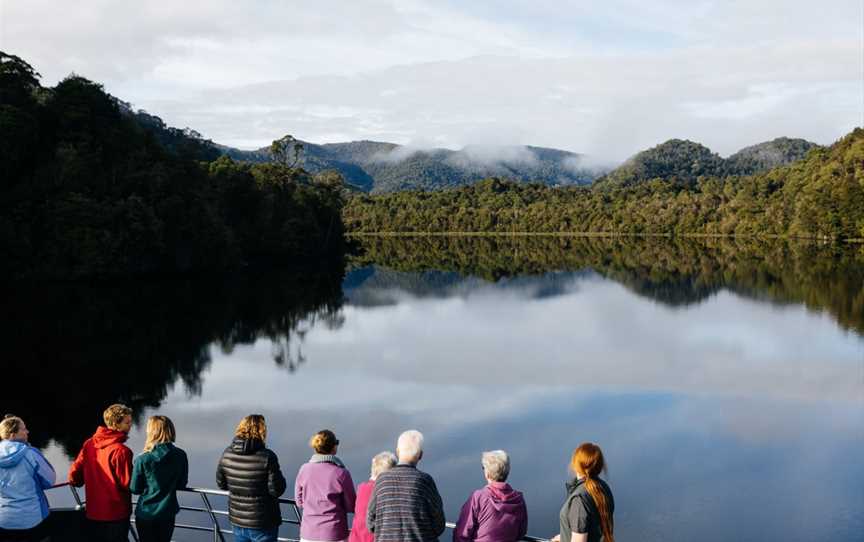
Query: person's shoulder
[[121, 448], [425, 476], [269, 454], [142, 459]]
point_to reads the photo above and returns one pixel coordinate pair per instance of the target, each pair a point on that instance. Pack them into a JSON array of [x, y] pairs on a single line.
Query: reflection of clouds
[[693, 406], [602, 337]]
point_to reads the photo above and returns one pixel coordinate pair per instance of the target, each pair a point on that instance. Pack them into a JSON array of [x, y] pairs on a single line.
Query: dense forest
[[378, 167], [90, 188], [820, 196], [687, 161]]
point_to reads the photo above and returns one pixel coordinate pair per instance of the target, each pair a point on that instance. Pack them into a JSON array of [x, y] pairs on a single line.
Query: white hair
[[496, 464], [382, 462], [409, 447]]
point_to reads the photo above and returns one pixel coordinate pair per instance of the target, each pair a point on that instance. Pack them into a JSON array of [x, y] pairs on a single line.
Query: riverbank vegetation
[[91, 188], [820, 196]]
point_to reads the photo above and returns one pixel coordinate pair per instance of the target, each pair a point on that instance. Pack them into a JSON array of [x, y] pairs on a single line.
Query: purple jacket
[[495, 513], [325, 491]]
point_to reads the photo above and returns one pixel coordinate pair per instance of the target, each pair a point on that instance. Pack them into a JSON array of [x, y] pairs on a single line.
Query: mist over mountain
[[687, 160], [380, 167]]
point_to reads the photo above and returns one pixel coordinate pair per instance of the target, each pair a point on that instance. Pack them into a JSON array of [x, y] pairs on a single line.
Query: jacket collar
[[326, 458]]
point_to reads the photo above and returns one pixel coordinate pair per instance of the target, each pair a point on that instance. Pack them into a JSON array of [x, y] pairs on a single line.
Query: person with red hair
[[586, 515]]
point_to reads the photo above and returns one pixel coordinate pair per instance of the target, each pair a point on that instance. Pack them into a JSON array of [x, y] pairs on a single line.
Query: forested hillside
[[378, 167], [90, 189], [686, 161], [821, 196]]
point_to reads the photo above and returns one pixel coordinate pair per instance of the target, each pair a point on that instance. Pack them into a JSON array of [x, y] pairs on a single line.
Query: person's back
[[408, 506], [104, 467], [251, 474], [589, 508], [157, 474], [324, 491], [382, 462], [496, 512], [24, 475], [405, 504]]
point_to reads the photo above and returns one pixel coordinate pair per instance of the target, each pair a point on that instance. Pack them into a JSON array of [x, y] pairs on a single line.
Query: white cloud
[[606, 79]]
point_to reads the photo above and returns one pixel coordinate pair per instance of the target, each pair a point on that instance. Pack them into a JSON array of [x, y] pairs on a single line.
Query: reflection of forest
[[72, 349], [827, 277]]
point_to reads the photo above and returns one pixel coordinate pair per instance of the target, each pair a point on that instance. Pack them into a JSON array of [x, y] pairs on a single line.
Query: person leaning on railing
[[250, 472], [24, 475], [324, 490], [157, 474], [405, 504], [496, 512], [382, 462], [586, 515], [104, 465]]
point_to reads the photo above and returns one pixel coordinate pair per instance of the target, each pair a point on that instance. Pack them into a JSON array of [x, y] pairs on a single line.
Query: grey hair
[[410, 446], [382, 462], [497, 465]]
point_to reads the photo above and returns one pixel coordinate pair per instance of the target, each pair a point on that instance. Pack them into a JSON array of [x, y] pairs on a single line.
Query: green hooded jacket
[[156, 477]]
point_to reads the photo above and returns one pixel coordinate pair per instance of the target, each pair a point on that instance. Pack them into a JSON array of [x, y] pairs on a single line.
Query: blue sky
[[604, 78]]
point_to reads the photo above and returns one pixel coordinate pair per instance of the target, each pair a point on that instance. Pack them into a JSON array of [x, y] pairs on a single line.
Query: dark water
[[724, 381]]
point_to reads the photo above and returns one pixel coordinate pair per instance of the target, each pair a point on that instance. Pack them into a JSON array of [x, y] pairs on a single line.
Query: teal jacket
[[156, 477]]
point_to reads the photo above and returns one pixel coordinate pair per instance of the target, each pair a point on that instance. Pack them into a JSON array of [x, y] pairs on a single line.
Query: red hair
[[588, 461]]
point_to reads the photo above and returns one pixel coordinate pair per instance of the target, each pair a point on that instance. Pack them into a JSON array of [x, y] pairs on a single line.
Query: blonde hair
[[252, 426], [115, 414], [160, 429], [382, 462], [323, 441], [10, 426]]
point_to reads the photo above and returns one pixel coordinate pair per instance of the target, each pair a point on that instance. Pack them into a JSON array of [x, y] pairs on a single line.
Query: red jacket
[[359, 531], [105, 466]]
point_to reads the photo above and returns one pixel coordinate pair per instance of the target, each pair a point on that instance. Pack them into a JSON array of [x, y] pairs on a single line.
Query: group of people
[[398, 503]]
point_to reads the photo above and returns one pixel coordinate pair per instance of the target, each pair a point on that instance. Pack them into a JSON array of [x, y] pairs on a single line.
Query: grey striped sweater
[[405, 507]]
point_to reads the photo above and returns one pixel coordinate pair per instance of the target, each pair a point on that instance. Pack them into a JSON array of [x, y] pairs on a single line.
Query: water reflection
[[709, 371], [676, 272], [75, 348]]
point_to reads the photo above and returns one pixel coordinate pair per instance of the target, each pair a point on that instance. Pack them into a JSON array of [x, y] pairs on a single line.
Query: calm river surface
[[725, 382]]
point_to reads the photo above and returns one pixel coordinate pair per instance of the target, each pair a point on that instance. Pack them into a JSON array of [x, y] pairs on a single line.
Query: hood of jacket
[[573, 485], [245, 446], [11, 453], [504, 497], [159, 452], [105, 437]]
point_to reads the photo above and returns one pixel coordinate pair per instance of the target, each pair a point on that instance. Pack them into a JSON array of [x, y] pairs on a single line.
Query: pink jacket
[[359, 532], [325, 492], [495, 513]]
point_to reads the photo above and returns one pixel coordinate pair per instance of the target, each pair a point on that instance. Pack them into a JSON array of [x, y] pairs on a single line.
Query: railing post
[[217, 531], [76, 496]]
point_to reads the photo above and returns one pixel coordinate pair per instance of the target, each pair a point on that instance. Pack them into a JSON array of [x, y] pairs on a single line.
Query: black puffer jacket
[[250, 472]]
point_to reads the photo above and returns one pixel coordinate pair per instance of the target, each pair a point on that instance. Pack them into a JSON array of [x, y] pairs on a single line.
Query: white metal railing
[[214, 514]]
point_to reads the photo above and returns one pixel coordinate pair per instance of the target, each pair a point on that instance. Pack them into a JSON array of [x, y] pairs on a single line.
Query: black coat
[[250, 472]]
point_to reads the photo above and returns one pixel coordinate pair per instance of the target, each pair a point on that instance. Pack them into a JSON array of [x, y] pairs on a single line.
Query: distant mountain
[[687, 160], [674, 158], [380, 167], [768, 155]]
